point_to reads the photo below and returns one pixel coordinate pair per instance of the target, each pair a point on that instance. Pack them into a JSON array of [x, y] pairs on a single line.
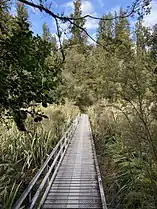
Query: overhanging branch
[[126, 14], [131, 10]]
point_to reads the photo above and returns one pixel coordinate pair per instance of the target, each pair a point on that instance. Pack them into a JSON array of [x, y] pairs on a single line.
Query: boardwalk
[[77, 183]]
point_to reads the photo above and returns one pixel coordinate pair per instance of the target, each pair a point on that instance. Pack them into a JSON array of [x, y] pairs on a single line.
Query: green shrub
[[125, 154], [21, 154]]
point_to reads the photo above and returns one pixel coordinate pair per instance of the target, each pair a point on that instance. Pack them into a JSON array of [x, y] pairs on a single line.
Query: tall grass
[[125, 141], [21, 154]]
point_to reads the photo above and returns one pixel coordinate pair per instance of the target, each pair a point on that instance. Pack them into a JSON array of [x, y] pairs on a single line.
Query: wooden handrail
[[58, 150]]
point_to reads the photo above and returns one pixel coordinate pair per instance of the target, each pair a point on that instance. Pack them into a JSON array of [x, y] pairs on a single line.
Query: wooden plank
[[76, 181], [76, 184], [68, 134]]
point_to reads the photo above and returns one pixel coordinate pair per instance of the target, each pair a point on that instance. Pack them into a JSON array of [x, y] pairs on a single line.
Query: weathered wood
[[66, 137], [72, 180], [78, 182]]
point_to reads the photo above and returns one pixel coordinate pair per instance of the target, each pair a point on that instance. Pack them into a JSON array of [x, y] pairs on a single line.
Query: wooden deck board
[[76, 184]]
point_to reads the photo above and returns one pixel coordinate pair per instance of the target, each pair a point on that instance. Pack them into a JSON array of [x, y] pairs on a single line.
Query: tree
[[25, 75], [22, 14], [142, 38], [139, 7], [122, 36], [78, 37], [7, 22], [153, 43], [105, 32], [54, 43], [46, 35]]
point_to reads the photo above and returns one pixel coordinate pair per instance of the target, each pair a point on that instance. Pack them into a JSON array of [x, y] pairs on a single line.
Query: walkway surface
[[76, 184]]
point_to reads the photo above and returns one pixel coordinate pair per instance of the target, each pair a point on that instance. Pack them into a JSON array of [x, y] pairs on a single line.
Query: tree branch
[[59, 37], [57, 17], [133, 9]]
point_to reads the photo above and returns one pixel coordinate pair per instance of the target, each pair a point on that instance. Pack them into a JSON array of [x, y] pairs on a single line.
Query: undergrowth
[[21, 154], [127, 162]]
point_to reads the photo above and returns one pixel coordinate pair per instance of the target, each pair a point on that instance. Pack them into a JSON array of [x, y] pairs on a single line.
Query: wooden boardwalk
[[77, 183]]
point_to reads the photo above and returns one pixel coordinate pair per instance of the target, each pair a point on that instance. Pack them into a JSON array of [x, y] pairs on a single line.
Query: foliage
[[78, 36], [25, 75], [46, 36], [21, 154], [129, 168], [115, 81]]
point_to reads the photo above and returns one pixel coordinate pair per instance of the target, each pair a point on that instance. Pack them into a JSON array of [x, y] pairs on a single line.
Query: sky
[[92, 7]]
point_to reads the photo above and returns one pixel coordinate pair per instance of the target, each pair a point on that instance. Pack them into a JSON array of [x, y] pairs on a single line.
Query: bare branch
[[59, 37], [133, 9], [42, 8], [126, 14], [66, 19]]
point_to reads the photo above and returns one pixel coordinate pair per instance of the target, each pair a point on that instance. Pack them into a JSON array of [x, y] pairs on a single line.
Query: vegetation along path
[[77, 184]]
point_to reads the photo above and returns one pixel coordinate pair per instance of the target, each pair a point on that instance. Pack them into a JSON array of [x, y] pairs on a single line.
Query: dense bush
[[21, 154], [128, 164]]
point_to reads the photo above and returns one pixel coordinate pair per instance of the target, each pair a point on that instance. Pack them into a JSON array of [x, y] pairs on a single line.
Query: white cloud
[[86, 7], [69, 4], [90, 41], [68, 8], [115, 9], [91, 23], [49, 5], [151, 19], [35, 11]]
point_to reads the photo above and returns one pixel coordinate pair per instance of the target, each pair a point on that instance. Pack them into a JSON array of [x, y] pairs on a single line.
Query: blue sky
[[93, 7]]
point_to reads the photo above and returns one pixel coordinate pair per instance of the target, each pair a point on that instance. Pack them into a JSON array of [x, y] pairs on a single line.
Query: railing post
[[62, 143], [67, 137], [30, 197], [56, 155], [47, 169]]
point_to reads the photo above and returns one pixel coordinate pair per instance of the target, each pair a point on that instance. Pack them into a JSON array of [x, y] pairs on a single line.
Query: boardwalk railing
[[37, 190]]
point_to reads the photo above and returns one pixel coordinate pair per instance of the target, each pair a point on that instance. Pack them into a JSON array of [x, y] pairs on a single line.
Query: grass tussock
[[125, 142], [21, 154]]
